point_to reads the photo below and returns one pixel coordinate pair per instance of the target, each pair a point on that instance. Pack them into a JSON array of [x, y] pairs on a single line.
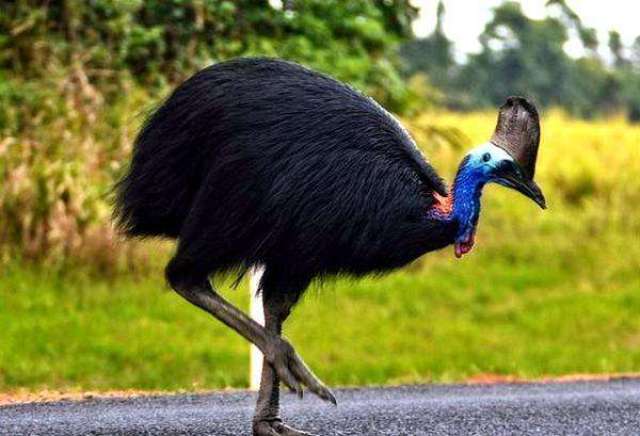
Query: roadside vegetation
[[543, 293]]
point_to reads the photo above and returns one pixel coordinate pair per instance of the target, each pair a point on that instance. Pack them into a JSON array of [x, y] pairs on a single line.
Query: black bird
[[264, 162]]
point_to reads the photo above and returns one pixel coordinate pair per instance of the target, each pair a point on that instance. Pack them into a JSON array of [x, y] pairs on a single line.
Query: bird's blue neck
[[464, 200]]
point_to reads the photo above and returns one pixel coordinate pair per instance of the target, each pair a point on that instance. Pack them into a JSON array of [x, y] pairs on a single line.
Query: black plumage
[[264, 161]]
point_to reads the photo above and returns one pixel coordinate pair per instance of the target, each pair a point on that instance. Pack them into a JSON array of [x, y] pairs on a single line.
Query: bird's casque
[[518, 133]]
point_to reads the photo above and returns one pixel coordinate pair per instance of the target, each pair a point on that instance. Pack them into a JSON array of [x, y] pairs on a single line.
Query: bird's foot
[[275, 427], [292, 370]]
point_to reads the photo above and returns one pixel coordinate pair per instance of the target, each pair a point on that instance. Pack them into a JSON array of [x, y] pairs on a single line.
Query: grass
[[544, 293], [444, 320]]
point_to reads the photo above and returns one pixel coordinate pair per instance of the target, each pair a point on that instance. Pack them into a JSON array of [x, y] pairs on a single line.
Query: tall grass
[[588, 171], [60, 152]]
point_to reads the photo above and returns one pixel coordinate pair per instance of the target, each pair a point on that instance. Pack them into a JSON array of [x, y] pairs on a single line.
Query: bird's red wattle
[[464, 247], [444, 207]]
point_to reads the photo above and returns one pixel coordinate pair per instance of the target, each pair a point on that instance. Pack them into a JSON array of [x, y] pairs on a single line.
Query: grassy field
[[544, 293]]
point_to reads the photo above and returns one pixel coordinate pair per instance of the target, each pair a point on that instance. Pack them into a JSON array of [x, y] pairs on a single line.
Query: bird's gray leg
[[210, 301], [267, 421], [289, 367]]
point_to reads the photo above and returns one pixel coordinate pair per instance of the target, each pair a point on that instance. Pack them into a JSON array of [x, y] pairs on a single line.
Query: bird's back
[[254, 160]]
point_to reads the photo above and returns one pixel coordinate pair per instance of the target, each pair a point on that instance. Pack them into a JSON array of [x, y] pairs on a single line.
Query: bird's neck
[[463, 202]]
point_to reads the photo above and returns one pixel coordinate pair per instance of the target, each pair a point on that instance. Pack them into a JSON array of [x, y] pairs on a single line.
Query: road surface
[[577, 408]]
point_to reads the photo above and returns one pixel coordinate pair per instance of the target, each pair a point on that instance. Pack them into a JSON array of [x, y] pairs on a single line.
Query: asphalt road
[[583, 408]]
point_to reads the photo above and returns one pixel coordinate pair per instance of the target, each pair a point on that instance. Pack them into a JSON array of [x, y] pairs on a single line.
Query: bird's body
[[264, 162]]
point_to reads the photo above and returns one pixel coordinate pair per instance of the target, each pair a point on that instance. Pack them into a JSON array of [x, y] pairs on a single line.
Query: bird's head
[[490, 163], [508, 159]]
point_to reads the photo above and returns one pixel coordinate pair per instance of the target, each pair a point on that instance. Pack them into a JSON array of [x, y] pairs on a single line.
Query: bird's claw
[[276, 427], [293, 372]]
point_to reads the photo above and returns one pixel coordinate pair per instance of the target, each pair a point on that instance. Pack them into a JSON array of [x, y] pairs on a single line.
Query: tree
[[616, 47], [158, 41], [635, 53], [587, 35], [519, 56], [432, 55]]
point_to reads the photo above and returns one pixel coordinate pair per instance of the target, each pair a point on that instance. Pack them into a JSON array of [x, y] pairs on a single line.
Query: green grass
[[519, 305]]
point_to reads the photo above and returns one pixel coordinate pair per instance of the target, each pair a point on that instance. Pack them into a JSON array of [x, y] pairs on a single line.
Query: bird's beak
[[509, 174]]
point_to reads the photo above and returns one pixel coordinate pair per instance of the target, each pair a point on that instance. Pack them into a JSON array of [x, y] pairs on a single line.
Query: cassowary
[[265, 162]]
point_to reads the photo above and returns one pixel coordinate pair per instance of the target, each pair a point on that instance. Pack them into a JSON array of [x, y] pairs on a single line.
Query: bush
[[76, 76]]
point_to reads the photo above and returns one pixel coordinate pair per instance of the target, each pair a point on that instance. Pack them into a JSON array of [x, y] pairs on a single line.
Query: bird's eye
[[486, 157]]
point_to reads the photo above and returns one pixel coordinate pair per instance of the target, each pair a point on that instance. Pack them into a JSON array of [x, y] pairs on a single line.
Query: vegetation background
[[543, 294]]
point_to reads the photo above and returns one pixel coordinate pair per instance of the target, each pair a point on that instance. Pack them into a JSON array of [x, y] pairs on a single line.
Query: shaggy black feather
[[264, 161]]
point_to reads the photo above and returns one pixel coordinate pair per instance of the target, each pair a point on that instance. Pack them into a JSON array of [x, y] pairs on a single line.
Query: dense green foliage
[[521, 55], [77, 77], [165, 41]]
